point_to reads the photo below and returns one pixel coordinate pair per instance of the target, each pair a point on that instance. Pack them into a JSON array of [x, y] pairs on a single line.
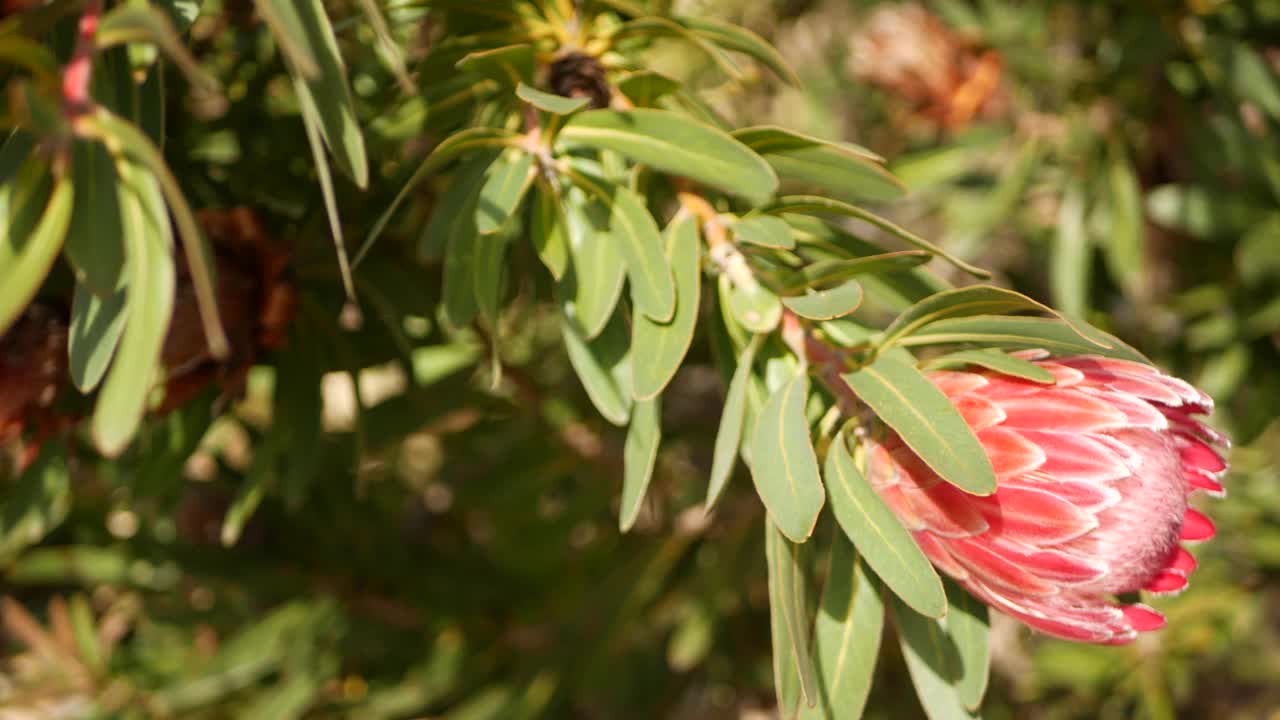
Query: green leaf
[[630, 224], [549, 230], [827, 304], [454, 206], [1125, 240], [1257, 255], [488, 267], [505, 184], [784, 465], [765, 231], [311, 124], [35, 211], [846, 636], [324, 94], [590, 289], [827, 272], [788, 617], [1252, 79], [755, 307], [1070, 257], [992, 359], [675, 145], [879, 536], [96, 324], [809, 205], [732, 418], [148, 307], [925, 420], [639, 454], [933, 662], [740, 39], [509, 65], [131, 23], [660, 347], [968, 301], [847, 171], [645, 87], [95, 242], [459, 286], [548, 102], [36, 503], [968, 627], [1050, 334], [603, 365], [1200, 212]]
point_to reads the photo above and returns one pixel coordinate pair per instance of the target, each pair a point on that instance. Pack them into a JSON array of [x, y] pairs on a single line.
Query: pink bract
[[1093, 474]]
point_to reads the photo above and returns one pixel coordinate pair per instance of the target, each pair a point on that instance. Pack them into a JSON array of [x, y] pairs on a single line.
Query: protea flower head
[[1093, 474]]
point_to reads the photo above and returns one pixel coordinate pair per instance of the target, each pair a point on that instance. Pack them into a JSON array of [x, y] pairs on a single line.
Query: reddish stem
[[79, 71]]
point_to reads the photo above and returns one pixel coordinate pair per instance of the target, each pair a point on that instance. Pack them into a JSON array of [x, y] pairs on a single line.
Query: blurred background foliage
[[408, 538]]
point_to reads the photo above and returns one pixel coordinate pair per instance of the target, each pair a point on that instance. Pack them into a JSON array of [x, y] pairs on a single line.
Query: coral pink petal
[[1077, 457], [1166, 583], [1084, 495], [1068, 411], [979, 412], [1143, 618], [1197, 527], [1034, 516], [1196, 453], [1198, 479], [1063, 376], [1010, 453], [946, 511], [997, 570], [1181, 562], [940, 556], [1003, 387], [893, 497], [1137, 412], [1050, 564], [1068, 631], [954, 382]]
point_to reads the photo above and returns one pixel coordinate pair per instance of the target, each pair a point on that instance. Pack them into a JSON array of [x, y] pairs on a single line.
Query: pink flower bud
[[1093, 474]]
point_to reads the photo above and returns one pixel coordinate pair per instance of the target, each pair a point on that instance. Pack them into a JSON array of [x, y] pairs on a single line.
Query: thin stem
[[79, 71]]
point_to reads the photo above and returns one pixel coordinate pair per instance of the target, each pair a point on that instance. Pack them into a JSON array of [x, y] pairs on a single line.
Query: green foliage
[[388, 481]]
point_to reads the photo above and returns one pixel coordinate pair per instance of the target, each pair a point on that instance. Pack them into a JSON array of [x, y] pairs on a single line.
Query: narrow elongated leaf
[[729, 433], [846, 636], [879, 536], [740, 39], [1070, 257], [148, 307], [35, 211], [784, 465], [925, 420], [603, 365], [789, 615], [459, 281], [827, 304], [505, 184], [644, 88], [630, 224], [130, 23], [547, 102], [96, 323], [311, 124], [1126, 236], [933, 662], [765, 231], [807, 204], [1202, 212], [639, 454], [967, 301], [1050, 334], [549, 230], [488, 269], [993, 359], [95, 242], [661, 347], [37, 502], [591, 287], [677, 145], [303, 29], [827, 272], [968, 626], [847, 171], [510, 65]]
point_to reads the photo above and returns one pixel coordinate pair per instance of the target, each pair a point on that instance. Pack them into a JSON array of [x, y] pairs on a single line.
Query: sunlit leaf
[[992, 359], [765, 231], [659, 348], [1049, 334], [789, 617], [925, 420], [35, 211], [638, 457], [547, 102], [732, 418], [846, 170], [784, 466], [827, 304], [96, 323], [934, 663], [603, 365]]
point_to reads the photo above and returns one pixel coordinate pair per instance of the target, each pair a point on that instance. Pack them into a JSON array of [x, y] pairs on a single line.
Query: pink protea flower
[[1093, 474]]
